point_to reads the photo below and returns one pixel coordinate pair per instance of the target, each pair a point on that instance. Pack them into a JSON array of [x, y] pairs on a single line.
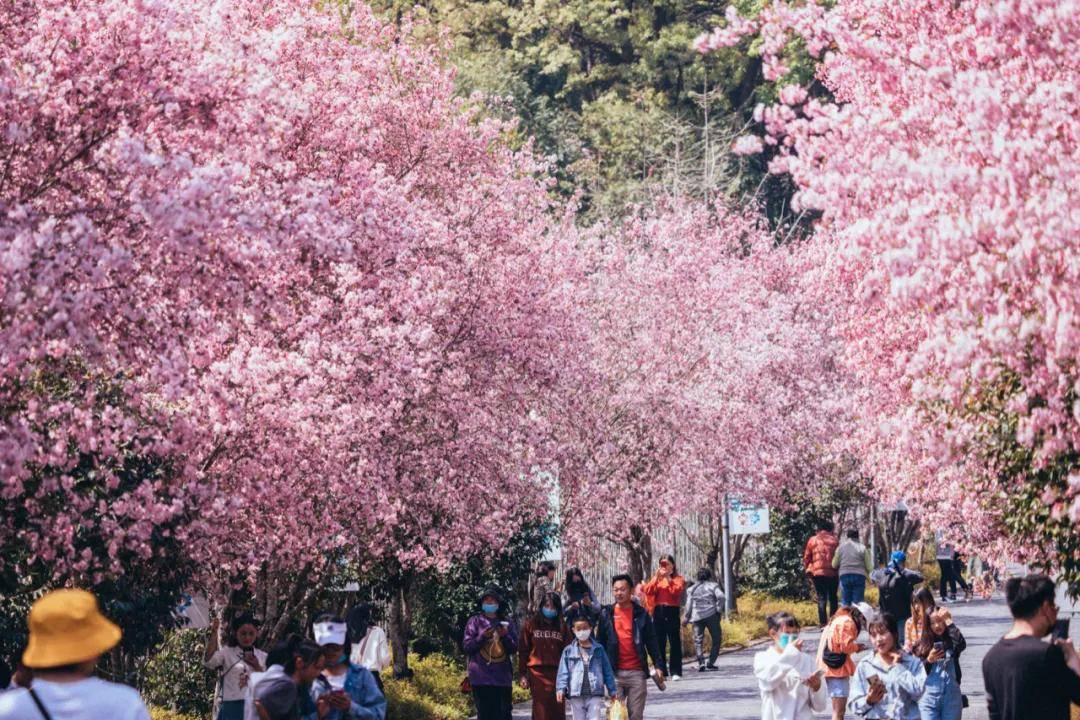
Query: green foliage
[[1038, 523], [613, 91], [144, 598], [443, 603], [173, 677], [1027, 494], [777, 569], [434, 693], [157, 713]]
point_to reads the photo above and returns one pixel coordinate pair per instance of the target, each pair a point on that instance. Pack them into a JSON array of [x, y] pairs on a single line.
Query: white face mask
[[583, 635]]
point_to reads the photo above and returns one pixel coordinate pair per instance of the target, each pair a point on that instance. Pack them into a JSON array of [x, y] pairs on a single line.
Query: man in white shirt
[[68, 634]]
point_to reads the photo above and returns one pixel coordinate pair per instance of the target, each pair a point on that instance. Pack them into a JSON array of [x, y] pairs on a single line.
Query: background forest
[[615, 94]]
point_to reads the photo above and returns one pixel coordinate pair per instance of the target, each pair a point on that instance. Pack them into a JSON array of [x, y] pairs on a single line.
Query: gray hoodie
[[703, 600]]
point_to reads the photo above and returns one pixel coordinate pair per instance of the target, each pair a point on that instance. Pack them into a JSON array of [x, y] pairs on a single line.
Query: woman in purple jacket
[[490, 642]]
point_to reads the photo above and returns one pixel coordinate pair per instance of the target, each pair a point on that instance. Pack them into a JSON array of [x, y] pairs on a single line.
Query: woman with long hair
[[838, 644], [922, 605], [580, 599], [938, 644], [543, 637], [370, 648], [665, 592], [234, 663], [887, 685]]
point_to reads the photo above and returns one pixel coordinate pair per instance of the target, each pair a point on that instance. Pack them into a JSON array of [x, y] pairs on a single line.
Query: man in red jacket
[[817, 560]]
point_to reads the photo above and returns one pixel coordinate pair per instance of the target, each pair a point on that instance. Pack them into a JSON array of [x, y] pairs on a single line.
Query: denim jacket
[[571, 673], [368, 702], [905, 683]]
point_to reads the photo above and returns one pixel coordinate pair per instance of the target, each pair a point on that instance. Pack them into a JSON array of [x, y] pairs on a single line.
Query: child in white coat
[[790, 683]]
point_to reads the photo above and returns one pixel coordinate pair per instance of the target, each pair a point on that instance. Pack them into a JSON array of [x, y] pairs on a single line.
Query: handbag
[[832, 659], [466, 686], [493, 651]]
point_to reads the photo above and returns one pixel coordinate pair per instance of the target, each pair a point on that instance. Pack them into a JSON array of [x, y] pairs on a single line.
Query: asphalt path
[[732, 694]]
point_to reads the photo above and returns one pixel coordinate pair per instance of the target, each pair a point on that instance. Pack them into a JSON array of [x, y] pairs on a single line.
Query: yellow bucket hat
[[66, 627]]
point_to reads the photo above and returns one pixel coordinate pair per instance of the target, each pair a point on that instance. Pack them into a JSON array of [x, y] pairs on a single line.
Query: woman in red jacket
[[543, 638], [665, 592]]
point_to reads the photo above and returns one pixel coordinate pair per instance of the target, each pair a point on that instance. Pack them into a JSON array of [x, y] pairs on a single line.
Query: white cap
[[329, 633], [867, 611]]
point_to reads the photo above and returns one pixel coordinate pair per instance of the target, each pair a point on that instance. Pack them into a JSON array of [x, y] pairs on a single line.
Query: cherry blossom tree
[[276, 258], [945, 171], [713, 374]]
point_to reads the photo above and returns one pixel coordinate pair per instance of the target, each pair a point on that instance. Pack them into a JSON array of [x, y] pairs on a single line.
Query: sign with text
[[748, 518]]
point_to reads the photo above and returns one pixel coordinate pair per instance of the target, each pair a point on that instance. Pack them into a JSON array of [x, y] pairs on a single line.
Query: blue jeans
[[852, 589], [942, 699]]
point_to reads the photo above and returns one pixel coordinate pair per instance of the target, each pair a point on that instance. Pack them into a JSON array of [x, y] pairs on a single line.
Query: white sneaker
[[676, 678]]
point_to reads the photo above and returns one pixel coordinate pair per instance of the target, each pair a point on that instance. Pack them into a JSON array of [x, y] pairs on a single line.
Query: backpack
[[893, 588]]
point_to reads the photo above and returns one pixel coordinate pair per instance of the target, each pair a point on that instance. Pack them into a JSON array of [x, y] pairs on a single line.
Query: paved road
[[731, 694]]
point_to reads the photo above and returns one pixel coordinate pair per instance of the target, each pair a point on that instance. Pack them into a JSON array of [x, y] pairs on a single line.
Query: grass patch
[[434, 693]]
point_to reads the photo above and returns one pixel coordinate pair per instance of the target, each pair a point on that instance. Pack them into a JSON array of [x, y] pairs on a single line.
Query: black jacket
[[895, 587], [644, 638]]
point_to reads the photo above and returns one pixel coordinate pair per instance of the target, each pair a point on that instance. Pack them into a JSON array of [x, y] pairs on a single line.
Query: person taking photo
[[1025, 676]]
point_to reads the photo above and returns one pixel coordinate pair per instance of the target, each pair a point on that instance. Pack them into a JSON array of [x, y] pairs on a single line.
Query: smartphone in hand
[[1061, 629], [939, 646]]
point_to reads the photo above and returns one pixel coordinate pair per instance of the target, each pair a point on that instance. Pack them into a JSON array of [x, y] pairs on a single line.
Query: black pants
[[948, 577], [493, 702], [666, 620], [958, 573], [826, 590]]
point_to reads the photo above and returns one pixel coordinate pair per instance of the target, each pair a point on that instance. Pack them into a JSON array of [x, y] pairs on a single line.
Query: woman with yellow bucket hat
[[68, 634]]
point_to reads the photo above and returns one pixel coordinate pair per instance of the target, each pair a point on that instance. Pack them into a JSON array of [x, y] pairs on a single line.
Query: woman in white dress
[[371, 650], [790, 683]]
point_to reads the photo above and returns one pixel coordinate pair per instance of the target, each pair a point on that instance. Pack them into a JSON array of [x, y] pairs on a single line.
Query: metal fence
[[605, 559]]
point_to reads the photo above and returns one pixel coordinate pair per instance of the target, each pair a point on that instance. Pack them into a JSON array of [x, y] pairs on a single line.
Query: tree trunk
[[639, 553], [401, 625]]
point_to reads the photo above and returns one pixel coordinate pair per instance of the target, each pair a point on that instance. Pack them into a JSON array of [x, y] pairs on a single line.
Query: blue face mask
[[787, 639], [490, 608], [339, 661], [549, 613]]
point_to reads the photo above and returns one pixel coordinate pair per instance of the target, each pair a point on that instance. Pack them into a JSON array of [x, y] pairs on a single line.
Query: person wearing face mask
[[1026, 677], [543, 637], [350, 690], [490, 640], [234, 664], [584, 674], [791, 684]]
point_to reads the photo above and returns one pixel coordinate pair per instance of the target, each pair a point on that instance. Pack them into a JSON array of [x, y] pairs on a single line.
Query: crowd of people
[[331, 675], [573, 652]]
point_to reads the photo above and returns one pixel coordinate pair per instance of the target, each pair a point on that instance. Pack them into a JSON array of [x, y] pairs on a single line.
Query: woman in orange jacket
[[664, 590], [838, 644]]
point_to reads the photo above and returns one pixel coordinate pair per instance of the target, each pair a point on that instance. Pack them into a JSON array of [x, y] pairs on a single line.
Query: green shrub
[[174, 678], [157, 713], [434, 693]]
